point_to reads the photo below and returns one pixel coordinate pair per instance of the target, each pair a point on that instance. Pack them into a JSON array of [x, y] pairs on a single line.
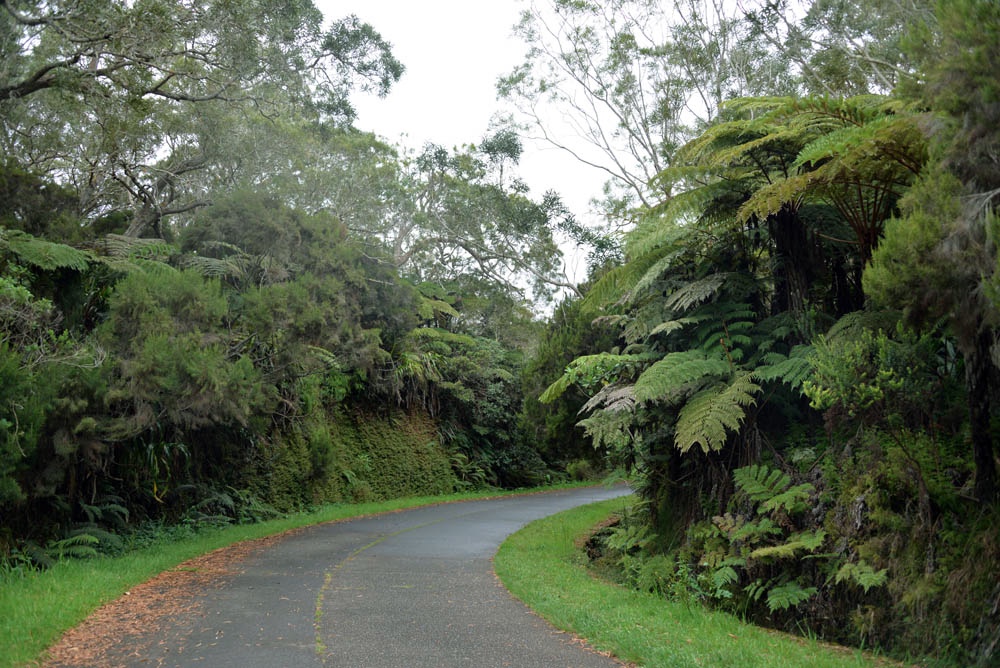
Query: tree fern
[[710, 416], [612, 398], [593, 371], [44, 255]]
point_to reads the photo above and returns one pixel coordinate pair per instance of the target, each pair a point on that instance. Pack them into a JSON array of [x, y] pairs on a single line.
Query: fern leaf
[[760, 482], [591, 371], [709, 416], [807, 541], [612, 398], [793, 370], [555, 390], [670, 378], [609, 429], [671, 326], [44, 255], [792, 500], [788, 595], [696, 292], [754, 532], [861, 574]]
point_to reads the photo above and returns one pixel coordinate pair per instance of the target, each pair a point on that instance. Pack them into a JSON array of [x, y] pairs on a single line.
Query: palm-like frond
[[708, 418], [677, 375], [42, 254]]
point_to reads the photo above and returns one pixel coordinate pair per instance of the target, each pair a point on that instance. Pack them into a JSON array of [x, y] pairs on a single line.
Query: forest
[[221, 301]]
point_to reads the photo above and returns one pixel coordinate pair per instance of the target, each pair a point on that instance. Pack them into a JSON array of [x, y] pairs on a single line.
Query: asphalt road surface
[[413, 589]]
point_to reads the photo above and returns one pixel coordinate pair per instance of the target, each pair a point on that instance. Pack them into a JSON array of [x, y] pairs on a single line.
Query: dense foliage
[[803, 376], [219, 300]]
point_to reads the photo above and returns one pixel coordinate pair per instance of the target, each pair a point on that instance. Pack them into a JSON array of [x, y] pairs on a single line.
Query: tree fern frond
[[755, 107], [555, 390], [44, 255], [671, 326], [770, 199], [611, 398], [430, 308], [609, 429], [616, 284], [792, 369], [695, 292], [209, 267], [652, 275], [592, 371], [678, 373], [123, 247], [708, 417], [652, 235], [852, 325]]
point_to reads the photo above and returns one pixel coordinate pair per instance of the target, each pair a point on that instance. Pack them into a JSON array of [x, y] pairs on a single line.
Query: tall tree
[[939, 258], [128, 101], [633, 79]]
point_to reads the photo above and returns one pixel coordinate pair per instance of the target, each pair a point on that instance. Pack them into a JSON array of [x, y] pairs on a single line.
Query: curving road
[[413, 589]]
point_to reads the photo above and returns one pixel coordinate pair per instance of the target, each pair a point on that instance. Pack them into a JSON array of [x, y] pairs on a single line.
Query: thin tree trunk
[[977, 382], [791, 270]]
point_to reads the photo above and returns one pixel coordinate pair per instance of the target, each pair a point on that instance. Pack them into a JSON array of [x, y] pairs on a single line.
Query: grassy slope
[[542, 566]]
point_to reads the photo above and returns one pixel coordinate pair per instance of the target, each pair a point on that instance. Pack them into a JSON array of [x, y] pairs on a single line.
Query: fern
[[794, 369], [82, 545], [788, 595], [612, 398], [669, 379], [696, 292], [760, 482], [44, 255], [594, 371], [709, 416], [610, 429], [671, 326], [861, 574], [807, 541], [792, 500]]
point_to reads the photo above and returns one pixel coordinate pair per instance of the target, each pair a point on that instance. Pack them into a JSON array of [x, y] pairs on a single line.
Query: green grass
[[542, 566], [37, 607]]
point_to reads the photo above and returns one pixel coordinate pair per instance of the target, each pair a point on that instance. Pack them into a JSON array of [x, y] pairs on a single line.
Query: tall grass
[[542, 566]]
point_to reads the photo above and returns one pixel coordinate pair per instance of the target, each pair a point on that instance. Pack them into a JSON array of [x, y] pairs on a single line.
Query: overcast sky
[[453, 51]]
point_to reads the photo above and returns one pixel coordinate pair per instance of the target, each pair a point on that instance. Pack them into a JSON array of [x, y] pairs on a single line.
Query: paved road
[[413, 589]]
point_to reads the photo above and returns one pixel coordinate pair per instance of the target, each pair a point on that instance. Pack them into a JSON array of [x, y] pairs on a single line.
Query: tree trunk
[[978, 367], [791, 262]]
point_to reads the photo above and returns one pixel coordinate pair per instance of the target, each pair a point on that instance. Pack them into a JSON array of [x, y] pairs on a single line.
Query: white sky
[[454, 51]]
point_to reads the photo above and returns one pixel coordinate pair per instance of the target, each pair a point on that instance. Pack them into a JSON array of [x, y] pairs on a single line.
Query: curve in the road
[[412, 589]]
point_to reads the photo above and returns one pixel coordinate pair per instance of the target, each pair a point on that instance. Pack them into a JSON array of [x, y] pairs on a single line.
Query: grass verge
[[542, 567], [37, 607]]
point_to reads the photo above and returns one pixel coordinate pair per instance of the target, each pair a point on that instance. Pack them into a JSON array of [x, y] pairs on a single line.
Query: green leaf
[[788, 595], [669, 379], [42, 254], [861, 574], [709, 416]]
